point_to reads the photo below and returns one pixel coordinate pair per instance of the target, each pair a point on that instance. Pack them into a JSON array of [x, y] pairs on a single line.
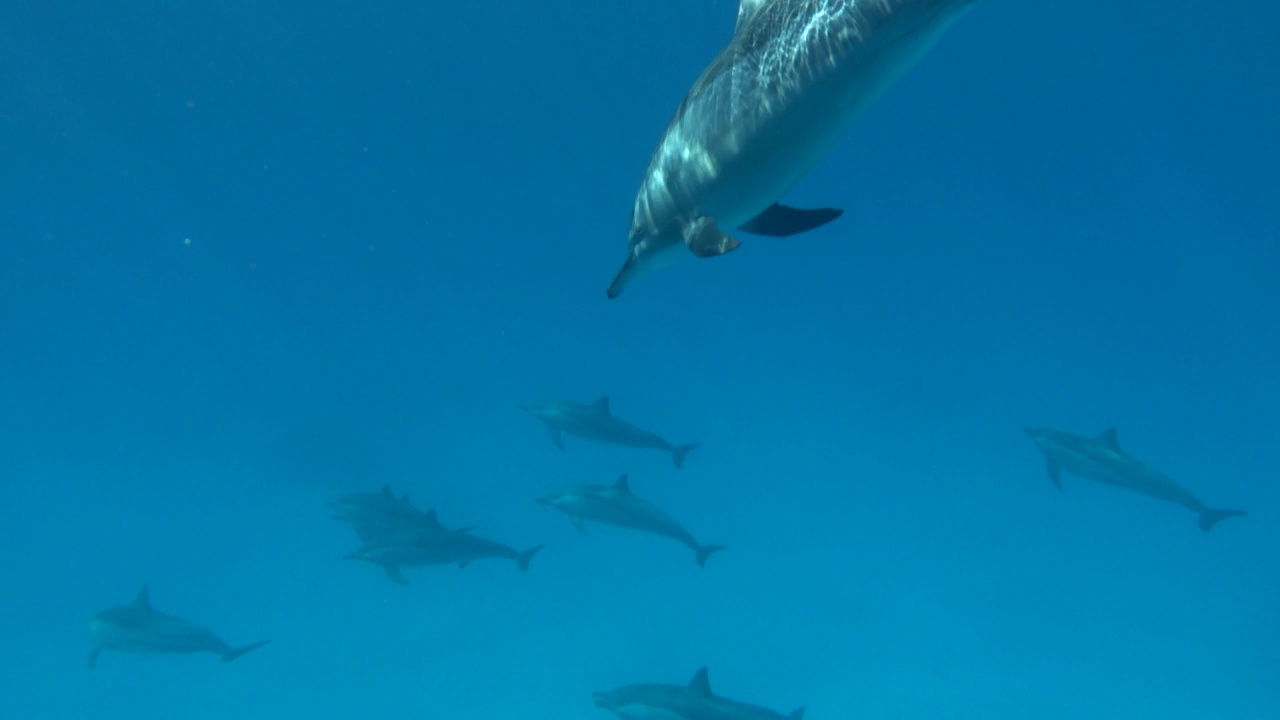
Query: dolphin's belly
[[160, 638], [1091, 469], [756, 126]]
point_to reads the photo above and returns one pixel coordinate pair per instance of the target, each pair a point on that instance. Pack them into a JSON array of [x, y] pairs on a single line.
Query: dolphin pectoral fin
[[677, 455], [557, 438], [705, 239], [1055, 474], [238, 652], [393, 572], [783, 221], [1210, 517], [93, 657], [463, 565], [579, 524]]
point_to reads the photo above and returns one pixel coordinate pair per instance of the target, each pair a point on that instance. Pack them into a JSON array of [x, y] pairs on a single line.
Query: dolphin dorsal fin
[[621, 484], [700, 684], [144, 599], [747, 9], [797, 714], [431, 518], [386, 491], [1108, 438], [602, 404]]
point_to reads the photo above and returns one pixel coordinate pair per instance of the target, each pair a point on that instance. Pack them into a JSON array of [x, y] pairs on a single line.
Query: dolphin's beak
[[1030, 431], [623, 277], [602, 700]]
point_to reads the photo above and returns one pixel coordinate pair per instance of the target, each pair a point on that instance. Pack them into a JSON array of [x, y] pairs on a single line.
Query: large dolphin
[[616, 505], [694, 701], [1101, 459], [138, 628], [595, 422], [795, 76], [435, 544]]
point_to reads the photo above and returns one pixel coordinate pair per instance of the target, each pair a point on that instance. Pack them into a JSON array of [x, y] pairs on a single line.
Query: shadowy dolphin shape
[[1101, 459], [435, 544], [595, 422], [694, 701], [138, 628], [615, 505]]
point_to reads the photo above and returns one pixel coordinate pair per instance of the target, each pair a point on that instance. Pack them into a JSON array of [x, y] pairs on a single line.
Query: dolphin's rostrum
[[139, 628], [795, 76]]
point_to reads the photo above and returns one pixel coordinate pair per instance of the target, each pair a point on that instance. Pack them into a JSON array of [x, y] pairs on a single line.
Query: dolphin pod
[[796, 75]]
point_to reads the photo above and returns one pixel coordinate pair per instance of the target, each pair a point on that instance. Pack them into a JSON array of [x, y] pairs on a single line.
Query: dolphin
[[795, 76], [1101, 459], [435, 544], [616, 505], [694, 701], [595, 422], [138, 628], [377, 514]]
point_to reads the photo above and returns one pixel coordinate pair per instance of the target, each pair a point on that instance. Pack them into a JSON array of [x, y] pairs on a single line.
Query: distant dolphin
[[435, 545], [795, 76], [694, 701], [615, 505], [137, 628], [1102, 460], [373, 515], [595, 422]]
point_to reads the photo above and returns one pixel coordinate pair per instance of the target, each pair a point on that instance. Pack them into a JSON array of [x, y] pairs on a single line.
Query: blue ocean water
[[259, 255]]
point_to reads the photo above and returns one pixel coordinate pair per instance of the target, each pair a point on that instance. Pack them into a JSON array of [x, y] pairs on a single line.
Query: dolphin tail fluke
[[522, 561], [1210, 517], [93, 657], [234, 653], [706, 551], [677, 455]]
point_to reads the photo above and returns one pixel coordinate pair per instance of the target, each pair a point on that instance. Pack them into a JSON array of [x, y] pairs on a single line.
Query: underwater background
[[257, 255]]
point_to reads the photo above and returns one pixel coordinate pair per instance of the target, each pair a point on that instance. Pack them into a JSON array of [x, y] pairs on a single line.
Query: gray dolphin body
[[1101, 459], [434, 544], [376, 514], [795, 76], [615, 505], [138, 628], [694, 701], [595, 422]]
